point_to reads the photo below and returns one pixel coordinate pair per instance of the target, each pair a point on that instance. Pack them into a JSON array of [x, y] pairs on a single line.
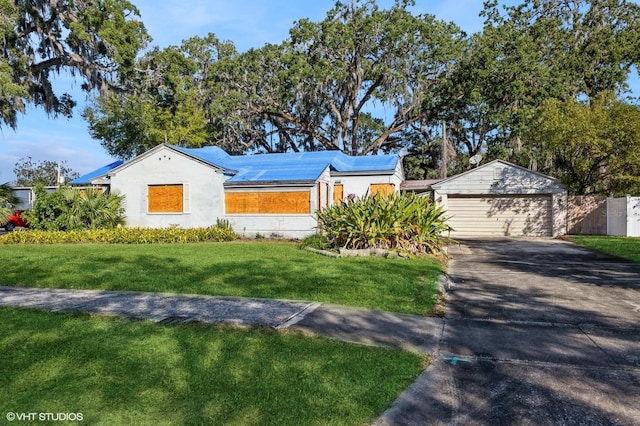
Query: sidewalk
[[408, 332]]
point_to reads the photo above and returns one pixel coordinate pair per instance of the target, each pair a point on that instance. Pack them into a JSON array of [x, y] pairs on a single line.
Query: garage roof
[[499, 177]]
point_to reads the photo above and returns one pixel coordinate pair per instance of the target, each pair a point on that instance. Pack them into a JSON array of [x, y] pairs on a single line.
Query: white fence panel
[[623, 216], [633, 217]]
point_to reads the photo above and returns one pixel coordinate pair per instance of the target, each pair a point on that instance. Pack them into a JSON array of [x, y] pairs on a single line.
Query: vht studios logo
[[45, 417]]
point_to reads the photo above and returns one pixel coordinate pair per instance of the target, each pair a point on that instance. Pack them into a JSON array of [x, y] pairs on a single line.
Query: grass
[[249, 269], [623, 247], [118, 371]]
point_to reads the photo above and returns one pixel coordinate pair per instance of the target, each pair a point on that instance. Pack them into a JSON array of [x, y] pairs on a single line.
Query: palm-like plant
[[75, 209], [7, 202], [91, 208]]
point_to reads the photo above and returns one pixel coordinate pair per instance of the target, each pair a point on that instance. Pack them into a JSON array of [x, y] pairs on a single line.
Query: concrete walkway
[[409, 332], [537, 332]]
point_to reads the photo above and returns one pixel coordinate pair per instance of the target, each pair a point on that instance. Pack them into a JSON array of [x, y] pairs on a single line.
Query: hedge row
[[122, 236]]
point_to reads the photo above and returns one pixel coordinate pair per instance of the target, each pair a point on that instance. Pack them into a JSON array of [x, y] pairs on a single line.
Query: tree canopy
[[362, 80], [95, 41], [593, 147], [31, 173]]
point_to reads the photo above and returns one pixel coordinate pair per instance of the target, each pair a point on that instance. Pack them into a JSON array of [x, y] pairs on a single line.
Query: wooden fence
[[587, 215]]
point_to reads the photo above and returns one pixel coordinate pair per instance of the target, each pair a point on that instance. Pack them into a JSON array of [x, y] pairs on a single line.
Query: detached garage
[[502, 199]]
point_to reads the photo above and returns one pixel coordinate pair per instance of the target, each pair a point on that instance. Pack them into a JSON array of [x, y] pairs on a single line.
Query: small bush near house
[[397, 221], [122, 236], [69, 209], [316, 241], [7, 202]]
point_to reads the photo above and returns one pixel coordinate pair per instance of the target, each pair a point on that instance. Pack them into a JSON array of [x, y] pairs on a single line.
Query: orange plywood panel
[[283, 202], [338, 193], [382, 188], [241, 202], [165, 198]]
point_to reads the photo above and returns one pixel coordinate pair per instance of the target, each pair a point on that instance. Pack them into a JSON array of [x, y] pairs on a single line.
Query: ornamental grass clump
[[405, 222]]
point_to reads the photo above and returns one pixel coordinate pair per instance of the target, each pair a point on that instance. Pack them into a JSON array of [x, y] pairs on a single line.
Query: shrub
[[398, 221], [75, 209], [122, 236], [316, 241], [7, 201]]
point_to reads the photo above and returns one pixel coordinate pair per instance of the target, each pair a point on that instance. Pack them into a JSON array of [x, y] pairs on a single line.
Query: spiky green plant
[[74, 209], [91, 208], [397, 221], [7, 201]]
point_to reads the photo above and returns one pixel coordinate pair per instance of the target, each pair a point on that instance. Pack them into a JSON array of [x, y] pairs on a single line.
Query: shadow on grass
[[407, 286], [136, 372]]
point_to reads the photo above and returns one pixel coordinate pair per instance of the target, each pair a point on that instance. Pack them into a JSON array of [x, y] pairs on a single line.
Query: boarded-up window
[[165, 198], [323, 195], [291, 202], [382, 188], [338, 193]]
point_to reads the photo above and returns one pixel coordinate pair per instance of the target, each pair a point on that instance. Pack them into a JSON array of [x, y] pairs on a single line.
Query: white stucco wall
[[203, 191], [358, 184], [273, 226]]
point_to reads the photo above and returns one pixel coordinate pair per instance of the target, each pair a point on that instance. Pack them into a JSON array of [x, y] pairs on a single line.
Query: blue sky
[[247, 23]]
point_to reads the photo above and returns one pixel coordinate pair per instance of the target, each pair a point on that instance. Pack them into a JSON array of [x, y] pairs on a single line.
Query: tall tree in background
[[527, 54], [166, 100], [593, 147], [333, 83], [96, 41], [365, 80], [354, 82], [32, 173]]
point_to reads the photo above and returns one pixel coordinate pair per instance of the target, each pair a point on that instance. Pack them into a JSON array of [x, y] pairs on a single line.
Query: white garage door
[[500, 216]]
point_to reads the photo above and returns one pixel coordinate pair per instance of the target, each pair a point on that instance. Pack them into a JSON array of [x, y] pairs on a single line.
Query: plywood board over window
[[323, 195], [382, 188], [338, 193], [281, 202], [166, 198]]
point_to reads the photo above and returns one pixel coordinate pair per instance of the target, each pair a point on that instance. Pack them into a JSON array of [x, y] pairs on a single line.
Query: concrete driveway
[[537, 332]]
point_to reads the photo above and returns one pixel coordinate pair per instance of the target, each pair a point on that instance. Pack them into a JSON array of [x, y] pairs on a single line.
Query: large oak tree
[[95, 41], [352, 82]]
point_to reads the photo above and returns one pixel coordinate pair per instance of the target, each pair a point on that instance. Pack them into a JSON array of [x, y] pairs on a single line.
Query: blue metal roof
[[282, 167], [290, 166], [213, 155], [86, 179]]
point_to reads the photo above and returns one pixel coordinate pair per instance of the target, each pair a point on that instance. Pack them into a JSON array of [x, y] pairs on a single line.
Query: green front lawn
[[119, 371], [250, 269], [623, 247]]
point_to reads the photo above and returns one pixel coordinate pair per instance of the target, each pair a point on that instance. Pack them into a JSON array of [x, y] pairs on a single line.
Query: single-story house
[[501, 199], [269, 194]]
